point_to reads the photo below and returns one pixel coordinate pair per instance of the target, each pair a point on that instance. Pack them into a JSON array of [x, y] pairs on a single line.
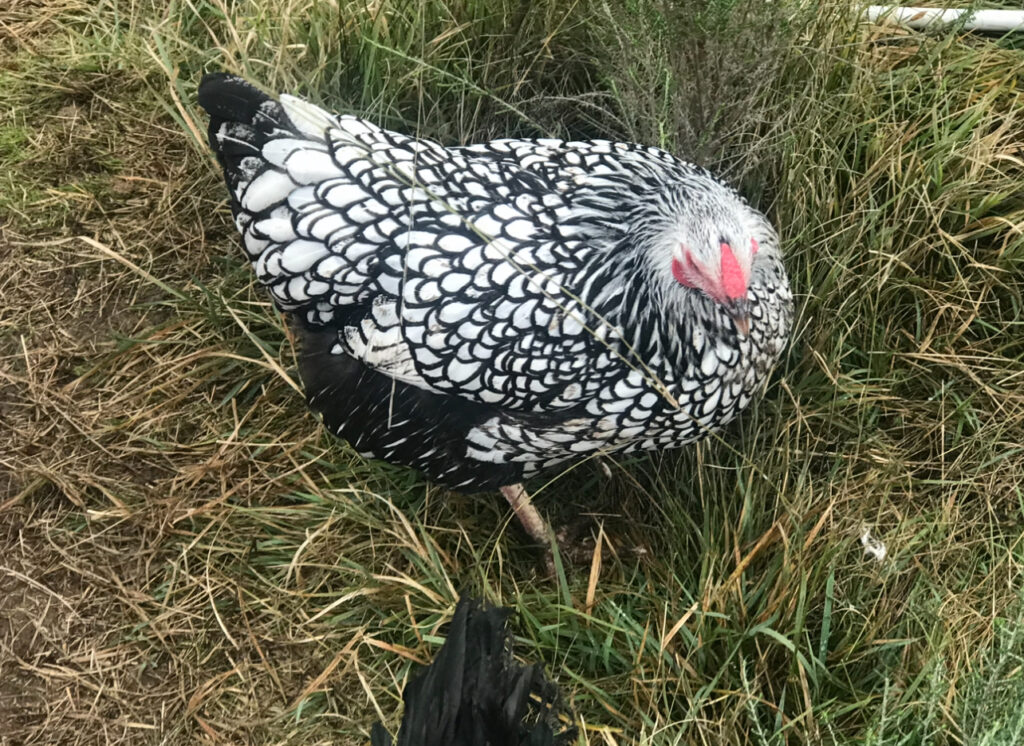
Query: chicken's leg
[[528, 515], [533, 522], [570, 551]]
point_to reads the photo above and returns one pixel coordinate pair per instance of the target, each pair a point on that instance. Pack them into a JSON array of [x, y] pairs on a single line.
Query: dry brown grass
[[148, 459]]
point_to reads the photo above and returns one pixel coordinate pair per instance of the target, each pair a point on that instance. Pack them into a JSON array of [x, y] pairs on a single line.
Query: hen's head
[[714, 240]]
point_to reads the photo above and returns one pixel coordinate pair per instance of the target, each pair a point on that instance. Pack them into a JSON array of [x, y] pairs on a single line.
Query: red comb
[[733, 282]]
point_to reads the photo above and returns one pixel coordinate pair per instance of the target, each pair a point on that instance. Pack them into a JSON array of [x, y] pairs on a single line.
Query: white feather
[[300, 255], [307, 118], [269, 187], [308, 166]]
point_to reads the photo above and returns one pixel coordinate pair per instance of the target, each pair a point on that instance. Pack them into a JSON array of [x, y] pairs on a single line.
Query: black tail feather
[[229, 98], [242, 119]]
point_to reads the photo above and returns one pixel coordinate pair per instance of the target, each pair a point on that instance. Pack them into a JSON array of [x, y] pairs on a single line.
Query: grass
[[188, 559]]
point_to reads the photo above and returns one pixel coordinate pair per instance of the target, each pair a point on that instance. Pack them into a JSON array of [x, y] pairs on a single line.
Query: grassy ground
[[186, 558]]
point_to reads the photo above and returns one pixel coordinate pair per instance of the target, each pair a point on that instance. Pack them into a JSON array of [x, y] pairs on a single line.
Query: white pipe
[[978, 20]]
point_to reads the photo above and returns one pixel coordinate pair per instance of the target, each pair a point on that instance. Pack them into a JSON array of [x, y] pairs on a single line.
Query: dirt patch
[[70, 670]]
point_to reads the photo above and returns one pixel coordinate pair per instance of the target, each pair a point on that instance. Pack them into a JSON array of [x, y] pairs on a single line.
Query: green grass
[[188, 558]]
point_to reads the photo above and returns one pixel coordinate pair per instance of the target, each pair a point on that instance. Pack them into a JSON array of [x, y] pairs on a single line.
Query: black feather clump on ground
[[476, 694]]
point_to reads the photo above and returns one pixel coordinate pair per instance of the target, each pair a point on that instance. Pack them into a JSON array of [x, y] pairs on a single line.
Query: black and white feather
[[475, 694], [482, 313]]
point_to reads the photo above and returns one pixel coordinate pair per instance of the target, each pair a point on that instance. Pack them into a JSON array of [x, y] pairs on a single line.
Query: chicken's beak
[[742, 321]]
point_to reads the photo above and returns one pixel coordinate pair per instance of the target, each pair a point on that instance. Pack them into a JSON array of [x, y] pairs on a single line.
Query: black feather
[[365, 407], [252, 114], [229, 98], [475, 694]]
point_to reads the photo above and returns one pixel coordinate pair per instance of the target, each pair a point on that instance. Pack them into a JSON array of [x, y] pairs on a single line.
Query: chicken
[[475, 694], [488, 312]]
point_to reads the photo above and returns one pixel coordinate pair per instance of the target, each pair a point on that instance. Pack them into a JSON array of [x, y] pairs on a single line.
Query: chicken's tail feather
[[229, 98], [242, 119]]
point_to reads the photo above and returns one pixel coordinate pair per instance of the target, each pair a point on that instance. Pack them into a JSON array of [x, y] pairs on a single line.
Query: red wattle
[[679, 274]]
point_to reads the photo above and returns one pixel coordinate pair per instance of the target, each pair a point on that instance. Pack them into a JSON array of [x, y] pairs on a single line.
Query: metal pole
[[978, 20]]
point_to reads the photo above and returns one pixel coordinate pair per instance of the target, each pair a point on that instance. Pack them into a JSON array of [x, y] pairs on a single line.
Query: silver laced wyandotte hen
[[483, 313], [475, 694]]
